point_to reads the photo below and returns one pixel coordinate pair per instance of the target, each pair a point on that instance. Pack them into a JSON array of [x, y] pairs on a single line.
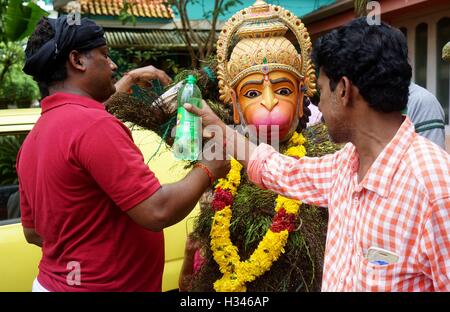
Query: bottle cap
[[191, 79]]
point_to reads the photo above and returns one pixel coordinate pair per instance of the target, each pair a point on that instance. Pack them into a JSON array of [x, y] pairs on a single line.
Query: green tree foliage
[[446, 52], [11, 53], [130, 58], [3, 7], [125, 14], [17, 20], [16, 87]]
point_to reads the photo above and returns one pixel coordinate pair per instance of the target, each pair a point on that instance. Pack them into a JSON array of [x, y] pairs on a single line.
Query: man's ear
[[345, 90], [77, 60], [236, 118]]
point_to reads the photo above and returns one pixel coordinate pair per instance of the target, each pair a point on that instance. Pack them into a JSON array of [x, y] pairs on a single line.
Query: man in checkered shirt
[[387, 190]]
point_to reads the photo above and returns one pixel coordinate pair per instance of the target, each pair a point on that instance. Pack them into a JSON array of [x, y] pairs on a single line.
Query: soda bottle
[[188, 135]]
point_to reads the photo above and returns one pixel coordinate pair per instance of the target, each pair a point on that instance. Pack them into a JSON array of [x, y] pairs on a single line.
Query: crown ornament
[[255, 40]]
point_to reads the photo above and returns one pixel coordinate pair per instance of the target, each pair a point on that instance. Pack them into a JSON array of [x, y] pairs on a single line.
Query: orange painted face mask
[[270, 100]]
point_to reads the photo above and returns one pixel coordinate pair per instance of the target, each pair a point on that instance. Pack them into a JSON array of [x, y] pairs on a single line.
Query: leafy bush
[[21, 90], [131, 58], [16, 88]]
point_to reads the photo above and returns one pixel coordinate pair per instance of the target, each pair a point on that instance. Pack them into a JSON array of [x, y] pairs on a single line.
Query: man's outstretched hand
[[231, 138], [209, 118], [142, 77]]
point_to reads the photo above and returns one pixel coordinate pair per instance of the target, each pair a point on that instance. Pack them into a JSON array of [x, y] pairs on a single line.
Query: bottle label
[[188, 133]]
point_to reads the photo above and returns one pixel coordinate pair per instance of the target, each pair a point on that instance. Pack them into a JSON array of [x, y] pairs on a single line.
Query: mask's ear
[[301, 94], [236, 118]]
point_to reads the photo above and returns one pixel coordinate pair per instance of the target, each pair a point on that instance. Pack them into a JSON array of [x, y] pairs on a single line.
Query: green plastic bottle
[[188, 135]]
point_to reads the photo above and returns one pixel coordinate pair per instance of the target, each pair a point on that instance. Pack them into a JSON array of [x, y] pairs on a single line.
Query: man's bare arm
[[32, 237], [173, 202]]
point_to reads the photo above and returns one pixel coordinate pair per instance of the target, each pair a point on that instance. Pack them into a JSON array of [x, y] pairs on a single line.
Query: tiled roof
[[151, 38], [141, 8]]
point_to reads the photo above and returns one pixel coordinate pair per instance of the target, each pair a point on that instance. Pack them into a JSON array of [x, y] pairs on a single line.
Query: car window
[[15, 124], [9, 189]]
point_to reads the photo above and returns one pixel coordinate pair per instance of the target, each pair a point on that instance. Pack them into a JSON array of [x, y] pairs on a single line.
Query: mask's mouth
[[267, 133], [274, 124]]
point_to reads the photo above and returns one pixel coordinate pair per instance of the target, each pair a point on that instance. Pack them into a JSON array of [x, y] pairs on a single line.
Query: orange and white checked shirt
[[402, 205]]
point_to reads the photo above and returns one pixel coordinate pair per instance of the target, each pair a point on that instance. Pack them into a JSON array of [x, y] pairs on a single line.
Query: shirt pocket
[[376, 277]]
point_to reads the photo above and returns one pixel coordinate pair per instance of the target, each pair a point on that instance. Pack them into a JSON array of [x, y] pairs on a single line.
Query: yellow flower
[[233, 179], [229, 283], [296, 151], [268, 251], [290, 205], [297, 139]]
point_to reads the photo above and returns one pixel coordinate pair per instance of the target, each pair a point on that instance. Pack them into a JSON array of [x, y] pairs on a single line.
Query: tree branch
[[212, 33], [180, 4], [194, 36]]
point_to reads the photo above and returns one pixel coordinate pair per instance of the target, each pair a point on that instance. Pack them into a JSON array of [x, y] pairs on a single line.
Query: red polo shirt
[[79, 172]]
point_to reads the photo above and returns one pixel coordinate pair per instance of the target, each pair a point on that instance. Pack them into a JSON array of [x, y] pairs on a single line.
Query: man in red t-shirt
[[87, 197]]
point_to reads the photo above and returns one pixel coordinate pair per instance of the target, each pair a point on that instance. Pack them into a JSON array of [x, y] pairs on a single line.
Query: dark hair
[[373, 57], [43, 33]]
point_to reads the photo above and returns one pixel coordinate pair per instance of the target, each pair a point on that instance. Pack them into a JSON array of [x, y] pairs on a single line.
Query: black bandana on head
[[69, 35]]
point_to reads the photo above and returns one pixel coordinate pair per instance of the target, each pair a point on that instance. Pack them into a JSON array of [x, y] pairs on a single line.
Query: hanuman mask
[[264, 68]]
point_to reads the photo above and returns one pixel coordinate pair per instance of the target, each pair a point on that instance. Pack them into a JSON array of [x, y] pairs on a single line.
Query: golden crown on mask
[[254, 40]]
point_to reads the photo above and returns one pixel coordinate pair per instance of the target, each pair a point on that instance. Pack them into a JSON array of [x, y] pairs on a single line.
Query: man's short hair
[[373, 57]]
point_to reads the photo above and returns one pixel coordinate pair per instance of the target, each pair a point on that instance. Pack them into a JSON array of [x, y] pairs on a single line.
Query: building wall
[[429, 17], [197, 9]]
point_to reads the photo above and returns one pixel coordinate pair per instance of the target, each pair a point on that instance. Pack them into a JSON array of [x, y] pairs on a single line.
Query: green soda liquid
[[188, 135]]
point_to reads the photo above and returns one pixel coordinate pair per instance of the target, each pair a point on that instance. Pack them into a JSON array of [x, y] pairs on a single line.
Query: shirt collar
[[60, 98], [379, 176]]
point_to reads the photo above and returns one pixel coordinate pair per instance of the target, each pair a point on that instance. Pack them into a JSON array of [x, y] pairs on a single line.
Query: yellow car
[[19, 260]]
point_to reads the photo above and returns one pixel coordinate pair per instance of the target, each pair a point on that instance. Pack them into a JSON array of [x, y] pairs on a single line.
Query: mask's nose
[[268, 98]]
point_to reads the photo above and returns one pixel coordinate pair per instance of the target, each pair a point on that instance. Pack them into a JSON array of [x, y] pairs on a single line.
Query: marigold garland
[[237, 273]]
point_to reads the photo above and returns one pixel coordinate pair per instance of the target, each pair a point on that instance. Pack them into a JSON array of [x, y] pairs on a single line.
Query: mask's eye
[[252, 94], [283, 91]]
